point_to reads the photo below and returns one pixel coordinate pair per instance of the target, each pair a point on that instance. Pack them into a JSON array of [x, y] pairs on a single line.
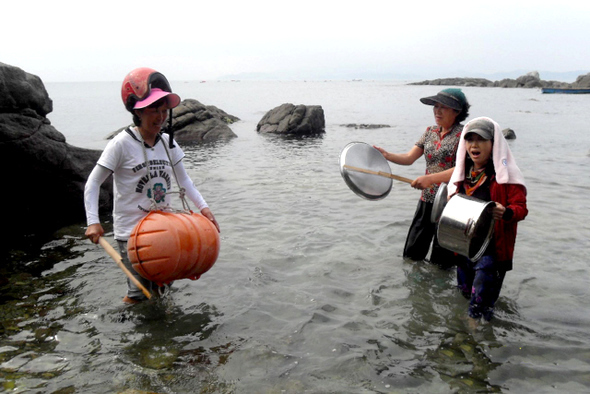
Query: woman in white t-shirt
[[144, 163]]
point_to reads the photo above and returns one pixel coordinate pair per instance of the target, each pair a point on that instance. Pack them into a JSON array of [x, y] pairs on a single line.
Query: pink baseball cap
[[172, 99]]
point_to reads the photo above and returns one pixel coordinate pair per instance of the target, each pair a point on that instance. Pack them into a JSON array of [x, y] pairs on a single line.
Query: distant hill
[[568, 76]]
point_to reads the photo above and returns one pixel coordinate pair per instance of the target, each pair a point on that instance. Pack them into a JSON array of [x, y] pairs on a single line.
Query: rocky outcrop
[[582, 82], [479, 82], [529, 80], [293, 119], [193, 122], [46, 175]]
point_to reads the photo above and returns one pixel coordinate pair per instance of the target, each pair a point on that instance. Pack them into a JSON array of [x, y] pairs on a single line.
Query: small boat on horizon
[[566, 90]]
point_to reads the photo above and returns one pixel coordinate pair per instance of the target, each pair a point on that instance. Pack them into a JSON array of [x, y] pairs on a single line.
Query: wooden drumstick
[[379, 173]]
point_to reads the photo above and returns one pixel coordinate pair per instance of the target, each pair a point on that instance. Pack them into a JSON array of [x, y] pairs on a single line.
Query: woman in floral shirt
[[438, 144]]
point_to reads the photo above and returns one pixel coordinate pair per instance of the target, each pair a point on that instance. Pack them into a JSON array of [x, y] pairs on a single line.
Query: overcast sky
[[207, 39]]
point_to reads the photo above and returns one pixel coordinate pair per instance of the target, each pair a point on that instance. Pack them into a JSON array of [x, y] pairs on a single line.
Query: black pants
[[422, 232]]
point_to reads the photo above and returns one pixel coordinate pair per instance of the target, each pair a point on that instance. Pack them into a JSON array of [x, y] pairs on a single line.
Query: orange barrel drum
[[165, 246]]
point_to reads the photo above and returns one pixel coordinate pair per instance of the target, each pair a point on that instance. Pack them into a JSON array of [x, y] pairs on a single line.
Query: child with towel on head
[[486, 170]]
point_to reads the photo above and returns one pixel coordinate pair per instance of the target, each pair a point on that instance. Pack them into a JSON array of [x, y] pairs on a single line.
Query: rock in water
[[193, 122], [293, 119], [509, 134]]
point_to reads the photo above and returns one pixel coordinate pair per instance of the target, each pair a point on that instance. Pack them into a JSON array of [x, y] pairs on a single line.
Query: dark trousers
[[480, 282], [422, 232]]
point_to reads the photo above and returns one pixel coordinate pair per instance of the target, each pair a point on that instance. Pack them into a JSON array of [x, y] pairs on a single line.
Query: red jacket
[[514, 197]]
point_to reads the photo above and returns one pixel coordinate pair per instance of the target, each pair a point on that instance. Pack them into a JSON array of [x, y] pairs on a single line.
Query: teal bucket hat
[[452, 97]]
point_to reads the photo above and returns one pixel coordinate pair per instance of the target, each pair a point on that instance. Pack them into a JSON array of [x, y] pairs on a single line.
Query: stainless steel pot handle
[[469, 227]]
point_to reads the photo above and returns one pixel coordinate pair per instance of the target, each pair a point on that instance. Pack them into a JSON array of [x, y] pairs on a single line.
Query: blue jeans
[[480, 282], [132, 290]]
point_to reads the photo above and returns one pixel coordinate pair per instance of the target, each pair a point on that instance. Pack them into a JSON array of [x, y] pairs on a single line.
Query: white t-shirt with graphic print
[[134, 184]]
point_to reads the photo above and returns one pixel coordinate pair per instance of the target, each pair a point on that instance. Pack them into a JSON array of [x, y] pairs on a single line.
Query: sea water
[[310, 292]]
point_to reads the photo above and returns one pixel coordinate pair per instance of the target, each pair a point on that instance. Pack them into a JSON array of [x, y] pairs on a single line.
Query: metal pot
[[466, 226], [440, 201]]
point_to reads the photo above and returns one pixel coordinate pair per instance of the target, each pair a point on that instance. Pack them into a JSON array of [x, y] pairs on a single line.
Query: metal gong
[[372, 183]]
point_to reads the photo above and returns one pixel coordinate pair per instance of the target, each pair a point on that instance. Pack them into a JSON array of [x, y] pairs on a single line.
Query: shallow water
[[310, 292]]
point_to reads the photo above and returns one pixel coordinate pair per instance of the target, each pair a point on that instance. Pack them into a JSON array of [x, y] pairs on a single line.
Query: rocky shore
[[47, 175], [529, 80]]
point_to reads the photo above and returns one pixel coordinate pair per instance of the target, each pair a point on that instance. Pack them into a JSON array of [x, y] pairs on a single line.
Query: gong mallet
[[113, 253], [379, 173]]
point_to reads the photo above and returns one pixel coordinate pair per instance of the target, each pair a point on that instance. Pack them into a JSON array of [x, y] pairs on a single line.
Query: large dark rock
[[193, 122], [293, 119], [45, 175], [21, 91]]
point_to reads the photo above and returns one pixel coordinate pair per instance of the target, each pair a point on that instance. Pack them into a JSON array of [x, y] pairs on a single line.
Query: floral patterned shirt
[[440, 154]]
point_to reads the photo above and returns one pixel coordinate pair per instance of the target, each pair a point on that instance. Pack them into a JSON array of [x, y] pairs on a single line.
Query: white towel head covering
[[504, 163]]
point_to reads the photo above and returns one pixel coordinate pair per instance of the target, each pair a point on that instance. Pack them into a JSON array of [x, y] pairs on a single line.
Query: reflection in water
[[290, 141], [165, 331], [167, 347], [438, 330], [59, 329]]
